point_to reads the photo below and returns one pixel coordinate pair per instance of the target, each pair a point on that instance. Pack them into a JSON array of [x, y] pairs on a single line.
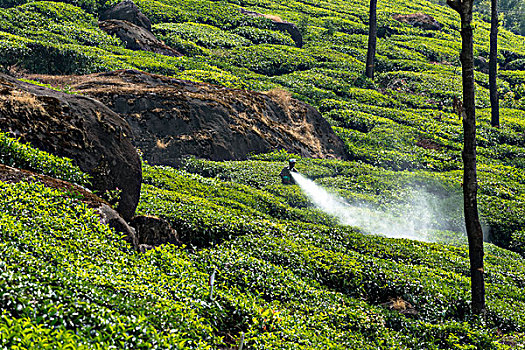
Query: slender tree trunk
[[470, 183], [493, 64], [372, 39]]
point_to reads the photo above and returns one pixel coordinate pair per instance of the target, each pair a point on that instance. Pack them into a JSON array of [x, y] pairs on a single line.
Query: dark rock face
[[153, 231], [110, 217], [127, 11], [292, 29], [420, 20], [171, 119], [77, 127], [482, 64], [107, 215], [282, 26], [136, 38]]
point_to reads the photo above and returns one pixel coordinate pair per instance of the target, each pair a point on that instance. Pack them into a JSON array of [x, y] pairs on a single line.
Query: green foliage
[[91, 6], [203, 35], [53, 38], [66, 89], [15, 154], [518, 241], [23, 334], [185, 47], [219, 14], [288, 275], [281, 282], [63, 270], [269, 251], [13, 53], [404, 120], [272, 59], [50, 58], [264, 36]]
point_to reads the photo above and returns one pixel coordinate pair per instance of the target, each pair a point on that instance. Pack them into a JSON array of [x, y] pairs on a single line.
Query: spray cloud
[[413, 221]]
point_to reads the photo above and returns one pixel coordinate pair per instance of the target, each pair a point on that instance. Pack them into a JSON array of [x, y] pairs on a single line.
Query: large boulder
[[153, 231], [291, 29], [279, 25], [127, 11], [172, 119], [420, 20], [481, 64], [136, 37], [77, 127]]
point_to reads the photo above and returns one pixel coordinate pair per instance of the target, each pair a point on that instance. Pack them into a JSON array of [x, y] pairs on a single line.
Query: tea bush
[[271, 59], [272, 248], [15, 154], [264, 36], [288, 276], [91, 6], [79, 290], [203, 35], [281, 282], [219, 14]]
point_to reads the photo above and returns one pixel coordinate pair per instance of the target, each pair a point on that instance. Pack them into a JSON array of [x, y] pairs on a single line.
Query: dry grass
[[274, 18], [99, 116], [58, 81], [399, 304], [162, 144], [20, 100], [282, 97]]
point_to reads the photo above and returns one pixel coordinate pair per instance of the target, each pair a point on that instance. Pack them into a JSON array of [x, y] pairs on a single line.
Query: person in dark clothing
[[286, 173]]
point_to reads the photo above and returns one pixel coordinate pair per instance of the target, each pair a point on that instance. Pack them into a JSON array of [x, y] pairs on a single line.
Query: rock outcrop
[[127, 11], [481, 64], [172, 119], [153, 231], [291, 29], [420, 20], [280, 25], [136, 37], [77, 127]]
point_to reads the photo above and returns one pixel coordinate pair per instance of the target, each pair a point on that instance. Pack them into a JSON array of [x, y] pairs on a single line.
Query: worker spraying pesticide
[[286, 173]]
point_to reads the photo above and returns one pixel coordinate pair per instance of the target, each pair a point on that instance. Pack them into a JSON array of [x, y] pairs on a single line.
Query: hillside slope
[[286, 275], [403, 120]]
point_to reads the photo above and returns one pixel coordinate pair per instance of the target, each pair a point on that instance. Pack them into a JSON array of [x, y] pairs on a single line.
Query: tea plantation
[[285, 274]]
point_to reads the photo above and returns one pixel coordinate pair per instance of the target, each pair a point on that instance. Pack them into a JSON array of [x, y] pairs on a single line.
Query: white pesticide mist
[[412, 221]]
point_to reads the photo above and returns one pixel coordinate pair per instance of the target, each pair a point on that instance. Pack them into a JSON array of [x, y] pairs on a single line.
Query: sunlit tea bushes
[[203, 35], [259, 254], [264, 36], [15, 154], [288, 276]]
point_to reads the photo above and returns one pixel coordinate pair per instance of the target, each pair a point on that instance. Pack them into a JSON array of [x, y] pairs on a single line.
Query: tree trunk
[[372, 39], [470, 183], [493, 64]]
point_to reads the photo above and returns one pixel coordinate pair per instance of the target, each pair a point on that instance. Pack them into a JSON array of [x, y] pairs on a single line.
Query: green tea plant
[[15, 154], [288, 276], [279, 256], [203, 35]]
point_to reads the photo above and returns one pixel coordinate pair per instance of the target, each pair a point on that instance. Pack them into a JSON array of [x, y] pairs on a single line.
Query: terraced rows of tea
[[286, 275]]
